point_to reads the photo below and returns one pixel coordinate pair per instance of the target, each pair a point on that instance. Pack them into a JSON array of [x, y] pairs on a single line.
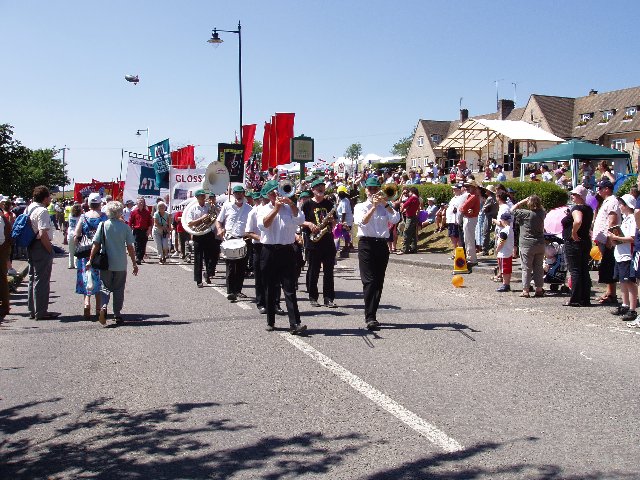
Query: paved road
[[459, 383]]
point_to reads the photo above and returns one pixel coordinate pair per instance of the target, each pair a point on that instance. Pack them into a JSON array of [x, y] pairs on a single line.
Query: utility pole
[[64, 175]]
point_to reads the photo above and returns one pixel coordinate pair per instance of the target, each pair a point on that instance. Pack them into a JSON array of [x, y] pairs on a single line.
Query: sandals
[[525, 295], [608, 300]]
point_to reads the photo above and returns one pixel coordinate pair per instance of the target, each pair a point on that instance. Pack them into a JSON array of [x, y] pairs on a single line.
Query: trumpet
[[389, 192], [286, 188]]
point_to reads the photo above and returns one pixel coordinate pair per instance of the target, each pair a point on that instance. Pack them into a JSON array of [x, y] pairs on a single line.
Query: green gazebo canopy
[[577, 149]]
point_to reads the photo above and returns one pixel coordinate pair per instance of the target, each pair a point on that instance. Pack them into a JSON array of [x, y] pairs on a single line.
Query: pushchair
[[555, 264]]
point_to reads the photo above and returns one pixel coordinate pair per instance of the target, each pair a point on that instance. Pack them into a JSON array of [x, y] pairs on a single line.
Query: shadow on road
[[102, 441]]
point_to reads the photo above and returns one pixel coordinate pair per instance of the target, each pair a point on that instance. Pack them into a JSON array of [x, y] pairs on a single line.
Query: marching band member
[[231, 223], [277, 221], [203, 245], [217, 239], [319, 216], [373, 217]]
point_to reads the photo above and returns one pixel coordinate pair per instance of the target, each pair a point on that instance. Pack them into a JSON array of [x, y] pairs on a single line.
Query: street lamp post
[[144, 130], [216, 40]]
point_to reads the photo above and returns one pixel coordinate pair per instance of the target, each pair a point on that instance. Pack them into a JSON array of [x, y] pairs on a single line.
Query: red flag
[[284, 132], [273, 144], [248, 134], [183, 157], [266, 146]]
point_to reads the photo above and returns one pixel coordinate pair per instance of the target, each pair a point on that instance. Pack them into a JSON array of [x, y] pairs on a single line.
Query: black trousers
[[257, 276], [277, 264], [373, 256], [235, 275], [140, 242], [203, 250], [249, 258], [578, 255], [183, 238], [321, 256]]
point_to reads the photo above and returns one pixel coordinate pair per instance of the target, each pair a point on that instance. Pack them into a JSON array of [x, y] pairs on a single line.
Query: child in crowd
[[504, 250], [624, 272]]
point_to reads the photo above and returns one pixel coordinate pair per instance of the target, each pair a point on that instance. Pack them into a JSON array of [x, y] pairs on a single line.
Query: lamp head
[[215, 38]]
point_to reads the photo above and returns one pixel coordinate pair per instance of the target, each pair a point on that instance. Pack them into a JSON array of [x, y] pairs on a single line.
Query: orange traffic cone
[[460, 262]]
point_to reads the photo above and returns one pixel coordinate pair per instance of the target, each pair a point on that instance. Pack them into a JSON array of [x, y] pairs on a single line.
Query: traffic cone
[[460, 261]]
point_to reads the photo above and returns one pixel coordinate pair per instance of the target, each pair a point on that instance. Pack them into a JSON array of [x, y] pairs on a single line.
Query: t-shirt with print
[[506, 235], [316, 212]]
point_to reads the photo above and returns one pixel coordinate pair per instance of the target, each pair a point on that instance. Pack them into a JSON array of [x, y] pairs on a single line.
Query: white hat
[[20, 201], [94, 198], [3, 198], [431, 198], [629, 199]]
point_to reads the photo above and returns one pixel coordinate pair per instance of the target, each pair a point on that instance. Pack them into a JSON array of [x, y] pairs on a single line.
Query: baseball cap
[[457, 185], [94, 198], [269, 186], [628, 199], [605, 183], [506, 216], [129, 202], [305, 194], [431, 198], [200, 191], [238, 188], [342, 189]]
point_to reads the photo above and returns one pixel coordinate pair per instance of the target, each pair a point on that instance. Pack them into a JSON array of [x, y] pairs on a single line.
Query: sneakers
[[635, 323], [298, 330], [175, 255], [503, 288], [620, 310], [314, 302], [330, 304], [630, 315]]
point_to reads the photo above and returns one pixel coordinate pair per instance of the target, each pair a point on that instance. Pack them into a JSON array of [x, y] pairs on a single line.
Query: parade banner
[[232, 155], [161, 156], [141, 180], [83, 190], [183, 182]]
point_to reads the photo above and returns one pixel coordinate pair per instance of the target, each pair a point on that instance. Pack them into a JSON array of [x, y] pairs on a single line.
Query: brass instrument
[[216, 181], [206, 224], [391, 191], [324, 227], [286, 188]]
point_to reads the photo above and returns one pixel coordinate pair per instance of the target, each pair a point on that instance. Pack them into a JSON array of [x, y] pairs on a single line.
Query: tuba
[[216, 181], [286, 188]]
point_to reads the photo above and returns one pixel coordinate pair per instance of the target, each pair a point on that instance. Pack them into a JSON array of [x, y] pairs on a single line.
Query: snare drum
[[233, 249]]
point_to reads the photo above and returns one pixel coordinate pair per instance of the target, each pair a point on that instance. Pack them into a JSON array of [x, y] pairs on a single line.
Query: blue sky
[[352, 71]]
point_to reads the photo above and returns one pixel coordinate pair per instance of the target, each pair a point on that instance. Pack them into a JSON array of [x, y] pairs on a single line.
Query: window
[[629, 113], [619, 144], [421, 141], [414, 163], [607, 115], [584, 119], [436, 139], [425, 162]]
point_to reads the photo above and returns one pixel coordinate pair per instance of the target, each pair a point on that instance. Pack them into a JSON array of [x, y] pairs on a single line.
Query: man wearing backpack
[[40, 255]]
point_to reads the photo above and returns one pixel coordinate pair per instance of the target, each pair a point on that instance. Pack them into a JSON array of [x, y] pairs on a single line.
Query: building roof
[[617, 100], [558, 112]]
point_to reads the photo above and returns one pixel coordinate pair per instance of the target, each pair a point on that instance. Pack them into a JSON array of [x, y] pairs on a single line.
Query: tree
[[257, 147], [402, 146], [23, 168], [353, 152]]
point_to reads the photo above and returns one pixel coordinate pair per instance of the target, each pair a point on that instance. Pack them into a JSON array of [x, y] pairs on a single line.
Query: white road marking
[[432, 433], [588, 358], [188, 269]]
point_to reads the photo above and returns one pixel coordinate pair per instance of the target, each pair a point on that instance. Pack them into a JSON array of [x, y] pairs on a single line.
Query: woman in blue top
[[74, 217], [161, 230], [88, 225]]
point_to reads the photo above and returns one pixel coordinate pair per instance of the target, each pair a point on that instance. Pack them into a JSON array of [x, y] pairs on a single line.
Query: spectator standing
[[504, 251], [451, 216], [608, 216], [118, 241], [624, 272], [140, 222], [182, 236], [470, 210], [531, 221], [546, 174], [161, 230], [577, 247], [88, 225], [5, 247], [40, 256], [490, 209], [410, 210]]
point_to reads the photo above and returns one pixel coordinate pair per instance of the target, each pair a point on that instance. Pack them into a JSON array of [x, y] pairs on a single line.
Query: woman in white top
[[161, 230], [76, 211]]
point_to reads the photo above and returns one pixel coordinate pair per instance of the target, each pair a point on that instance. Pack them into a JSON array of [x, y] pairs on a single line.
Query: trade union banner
[[183, 182], [141, 180], [161, 156], [232, 155]]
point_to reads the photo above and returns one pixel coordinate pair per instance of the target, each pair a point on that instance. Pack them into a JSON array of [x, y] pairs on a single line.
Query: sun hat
[[580, 190], [94, 198], [471, 183], [491, 188], [372, 182], [628, 199], [431, 198]]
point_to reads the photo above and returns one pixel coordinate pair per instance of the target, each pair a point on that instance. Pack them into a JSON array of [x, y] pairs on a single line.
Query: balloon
[[595, 253], [457, 281], [422, 216]]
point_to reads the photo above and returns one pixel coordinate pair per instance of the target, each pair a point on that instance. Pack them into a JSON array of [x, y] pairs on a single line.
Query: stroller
[[555, 264]]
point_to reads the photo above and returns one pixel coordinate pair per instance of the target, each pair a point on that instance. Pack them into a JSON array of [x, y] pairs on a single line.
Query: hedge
[[552, 196]]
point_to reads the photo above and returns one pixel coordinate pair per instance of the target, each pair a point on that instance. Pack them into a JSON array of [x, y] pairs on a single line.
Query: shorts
[[453, 230], [505, 264], [622, 272], [607, 265], [634, 269]]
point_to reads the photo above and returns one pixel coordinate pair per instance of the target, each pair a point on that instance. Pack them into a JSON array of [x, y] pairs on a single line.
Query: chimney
[[464, 115], [504, 108], [593, 92]]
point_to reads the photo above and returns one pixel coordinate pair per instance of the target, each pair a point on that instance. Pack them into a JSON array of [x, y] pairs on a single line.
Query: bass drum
[[233, 249]]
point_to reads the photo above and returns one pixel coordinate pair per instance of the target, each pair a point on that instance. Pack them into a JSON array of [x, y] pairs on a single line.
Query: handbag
[[101, 260], [83, 249]]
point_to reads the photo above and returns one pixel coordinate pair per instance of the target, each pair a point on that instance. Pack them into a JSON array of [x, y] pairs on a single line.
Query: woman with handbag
[[161, 230], [87, 279], [109, 241]]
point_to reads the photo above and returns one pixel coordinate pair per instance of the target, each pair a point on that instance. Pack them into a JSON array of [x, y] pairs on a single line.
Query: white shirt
[[234, 218], [622, 252], [501, 177], [126, 214], [282, 230], [463, 196], [610, 205], [344, 207], [198, 211], [378, 225], [506, 250], [40, 219], [252, 222], [450, 216], [547, 177]]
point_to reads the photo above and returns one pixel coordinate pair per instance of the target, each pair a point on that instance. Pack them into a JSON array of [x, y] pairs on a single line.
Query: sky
[[352, 71]]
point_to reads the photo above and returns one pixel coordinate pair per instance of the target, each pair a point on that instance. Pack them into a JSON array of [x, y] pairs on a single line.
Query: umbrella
[[553, 220]]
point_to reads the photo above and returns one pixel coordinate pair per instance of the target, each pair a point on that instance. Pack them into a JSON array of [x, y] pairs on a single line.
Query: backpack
[[22, 232]]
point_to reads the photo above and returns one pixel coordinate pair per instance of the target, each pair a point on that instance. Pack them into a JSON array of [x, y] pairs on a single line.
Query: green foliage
[[626, 185], [389, 165], [353, 152], [23, 169], [257, 147], [402, 146]]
